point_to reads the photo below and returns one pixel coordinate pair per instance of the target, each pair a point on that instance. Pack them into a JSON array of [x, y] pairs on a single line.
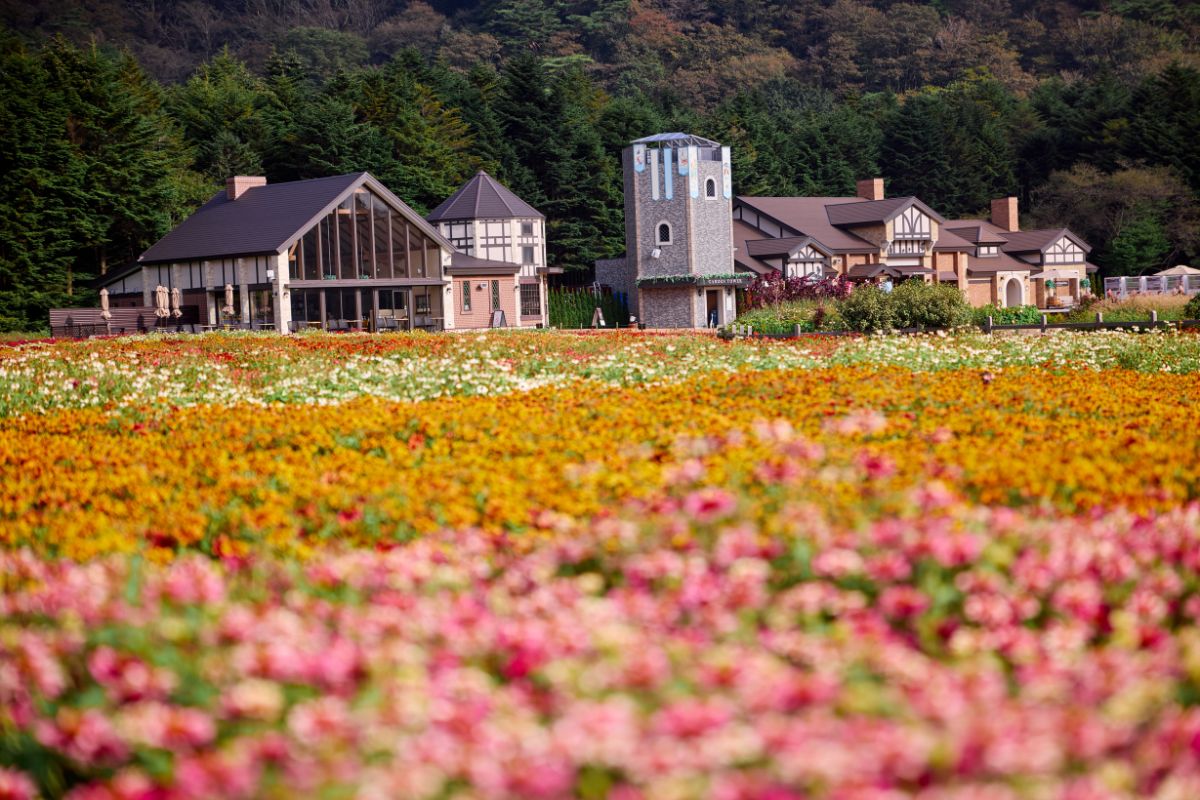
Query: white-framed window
[[988, 250], [710, 188], [466, 296], [527, 254], [663, 233], [531, 300]]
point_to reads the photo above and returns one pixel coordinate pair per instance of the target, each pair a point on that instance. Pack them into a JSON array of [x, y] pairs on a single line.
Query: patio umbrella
[[1180, 269], [176, 303], [228, 310], [160, 301], [104, 312]]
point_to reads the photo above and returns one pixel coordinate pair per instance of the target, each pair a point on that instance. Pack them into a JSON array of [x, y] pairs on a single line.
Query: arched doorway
[[1014, 293]]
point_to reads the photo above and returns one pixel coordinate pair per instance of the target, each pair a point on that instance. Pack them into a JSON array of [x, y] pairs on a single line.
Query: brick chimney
[[1004, 214], [238, 185], [871, 189]]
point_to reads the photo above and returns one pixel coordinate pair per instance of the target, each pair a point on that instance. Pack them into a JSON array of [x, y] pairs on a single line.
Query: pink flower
[[16, 785], [709, 505], [902, 602]]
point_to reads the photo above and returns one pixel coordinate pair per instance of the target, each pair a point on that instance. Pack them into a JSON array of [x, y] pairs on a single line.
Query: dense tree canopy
[[117, 120]]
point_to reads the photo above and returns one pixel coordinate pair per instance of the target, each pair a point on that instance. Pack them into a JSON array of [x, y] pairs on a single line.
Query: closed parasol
[[104, 312], [228, 310], [176, 303], [160, 301]]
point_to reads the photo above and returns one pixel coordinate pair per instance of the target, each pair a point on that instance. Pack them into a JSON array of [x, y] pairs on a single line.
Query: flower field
[[537, 565]]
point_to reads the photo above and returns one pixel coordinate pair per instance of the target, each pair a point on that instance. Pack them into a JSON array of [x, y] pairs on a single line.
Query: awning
[[1055, 275], [947, 277]]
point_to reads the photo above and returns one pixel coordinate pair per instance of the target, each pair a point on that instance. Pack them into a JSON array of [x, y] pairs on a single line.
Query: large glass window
[[362, 234], [328, 248], [309, 257], [383, 237], [345, 233], [416, 258], [433, 259], [400, 248]]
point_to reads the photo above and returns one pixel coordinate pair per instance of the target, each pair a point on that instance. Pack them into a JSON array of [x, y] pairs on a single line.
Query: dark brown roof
[[266, 219], [866, 212], [483, 197], [462, 264], [978, 231], [1030, 241], [262, 220], [743, 233], [951, 240], [1001, 262], [782, 246], [808, 216]]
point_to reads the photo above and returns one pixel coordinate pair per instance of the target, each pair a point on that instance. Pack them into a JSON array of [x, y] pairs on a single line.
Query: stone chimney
[[1004, 214], [238, 185], [871, 189]]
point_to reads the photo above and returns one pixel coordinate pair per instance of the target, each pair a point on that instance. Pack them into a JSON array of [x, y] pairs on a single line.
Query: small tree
[[867, 309]]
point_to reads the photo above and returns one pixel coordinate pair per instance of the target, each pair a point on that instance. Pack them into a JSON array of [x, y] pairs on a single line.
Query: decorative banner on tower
[[726, 173], [670, 179], [654, 181], [684, 153], [694, 172], [639, 158]]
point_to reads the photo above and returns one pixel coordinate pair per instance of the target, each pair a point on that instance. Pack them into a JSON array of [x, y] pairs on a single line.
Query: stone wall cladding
[[668, 307], [621, 275], [713, 218], [648, 213]]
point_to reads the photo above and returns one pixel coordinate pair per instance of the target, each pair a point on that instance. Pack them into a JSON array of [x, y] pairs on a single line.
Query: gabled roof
[[483, 197], [743, 233], [951, 240], [784, 246], [267, 219], [807, 216], [1001, 262], [1038, 241], [978, 231], [868, 212]]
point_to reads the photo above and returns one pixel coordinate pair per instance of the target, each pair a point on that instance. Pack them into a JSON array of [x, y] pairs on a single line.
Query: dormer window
[[988, 250]]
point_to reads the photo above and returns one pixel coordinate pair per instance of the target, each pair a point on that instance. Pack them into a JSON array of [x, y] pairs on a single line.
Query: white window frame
[[658, 240]]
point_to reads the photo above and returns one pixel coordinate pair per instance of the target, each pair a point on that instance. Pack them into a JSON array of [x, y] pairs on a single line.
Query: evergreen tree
[[322, 138], [1166, 126]]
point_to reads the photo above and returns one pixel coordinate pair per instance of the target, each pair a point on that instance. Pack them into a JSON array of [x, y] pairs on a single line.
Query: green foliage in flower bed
[[1013, 315], [810, 315]]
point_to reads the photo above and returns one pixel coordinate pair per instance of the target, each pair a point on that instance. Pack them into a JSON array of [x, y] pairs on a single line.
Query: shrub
[[810, 315], [1170, 307], [772, 289], [1192, 309], [1012, 315], [917, 304], [867, 309]]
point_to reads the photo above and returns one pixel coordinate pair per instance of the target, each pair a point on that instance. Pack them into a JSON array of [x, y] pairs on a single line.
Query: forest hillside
[[117, 119]]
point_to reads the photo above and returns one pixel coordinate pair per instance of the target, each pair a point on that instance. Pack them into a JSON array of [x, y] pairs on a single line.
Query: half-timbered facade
[[491, 225]]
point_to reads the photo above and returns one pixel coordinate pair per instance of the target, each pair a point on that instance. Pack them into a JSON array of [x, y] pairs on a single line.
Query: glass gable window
[[383, 238], [364, 239], [364, 250]]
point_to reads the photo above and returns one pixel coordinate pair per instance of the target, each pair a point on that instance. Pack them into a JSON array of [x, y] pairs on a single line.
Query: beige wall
[[480, 315], [979, 291]]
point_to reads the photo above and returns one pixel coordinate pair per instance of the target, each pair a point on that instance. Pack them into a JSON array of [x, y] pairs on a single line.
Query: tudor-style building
[[677, 238], [341, 253], [486, 222]]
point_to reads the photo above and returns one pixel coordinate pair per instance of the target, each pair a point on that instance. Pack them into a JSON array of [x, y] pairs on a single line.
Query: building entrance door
[[712, 302]]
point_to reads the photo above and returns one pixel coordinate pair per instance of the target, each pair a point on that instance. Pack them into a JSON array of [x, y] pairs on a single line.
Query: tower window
[[710, 188], [664, 233]]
